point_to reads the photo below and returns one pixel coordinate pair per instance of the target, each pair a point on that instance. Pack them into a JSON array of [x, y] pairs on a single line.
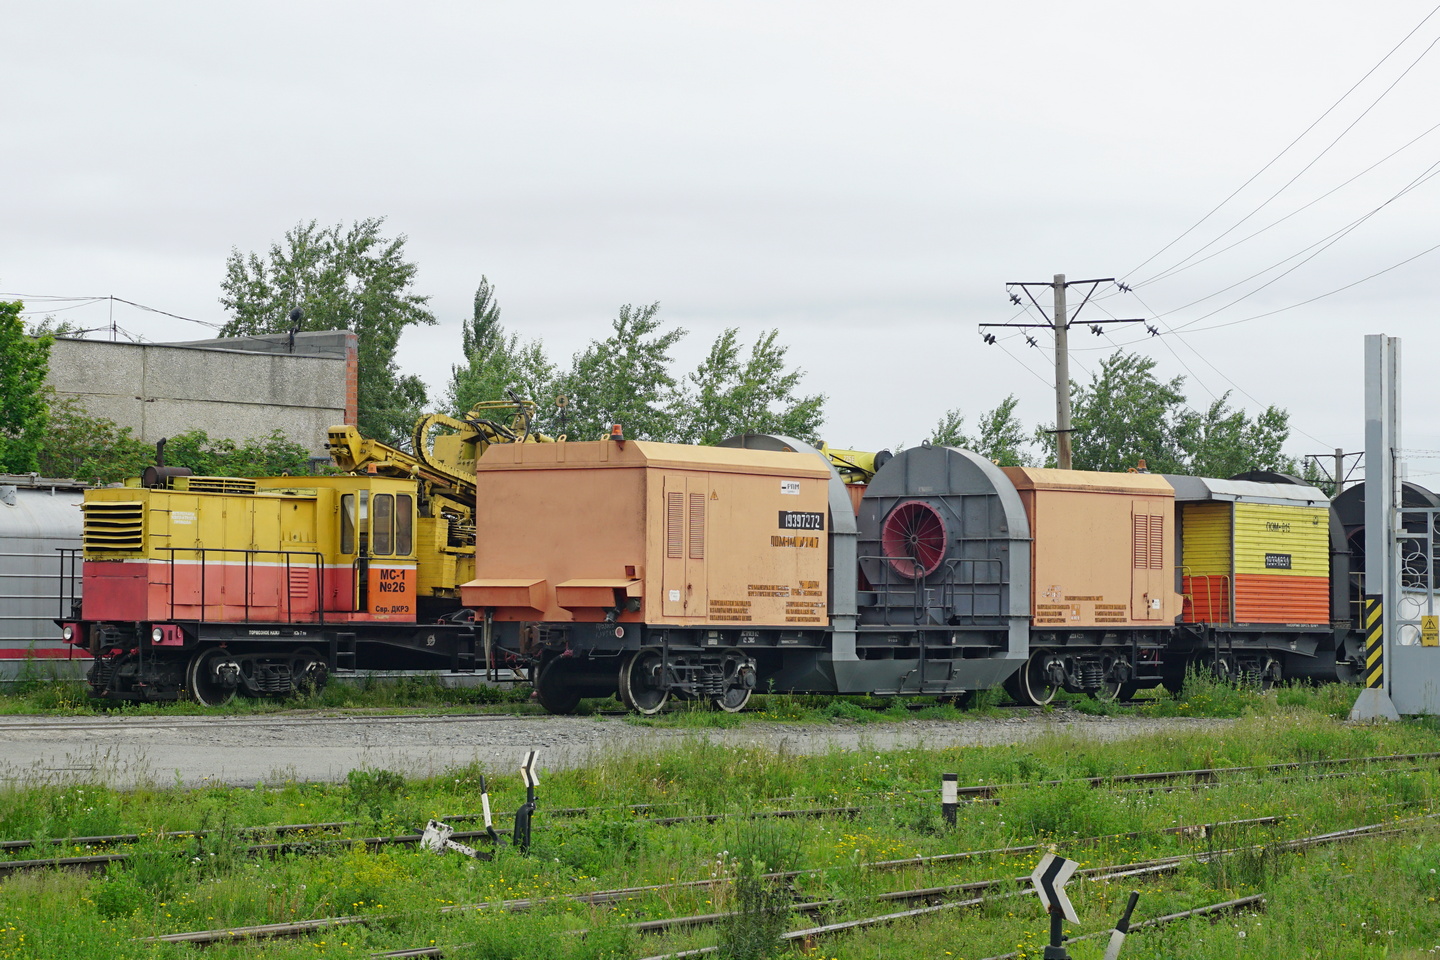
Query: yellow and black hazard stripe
[[1374, 643]]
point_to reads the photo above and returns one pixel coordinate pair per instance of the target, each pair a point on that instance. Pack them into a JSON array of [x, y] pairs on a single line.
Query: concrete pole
[[1382, 437], [1062, 375], [1339, 471]]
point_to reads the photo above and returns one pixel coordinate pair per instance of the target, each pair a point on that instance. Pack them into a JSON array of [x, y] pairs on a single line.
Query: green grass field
[[1366, 898]]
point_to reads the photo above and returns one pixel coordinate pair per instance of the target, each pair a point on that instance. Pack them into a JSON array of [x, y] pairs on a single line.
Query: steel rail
[[102, 861], [302, 928], [1165, 864], [123, 724], [986, 791], [1228, 906], [1204, 778]]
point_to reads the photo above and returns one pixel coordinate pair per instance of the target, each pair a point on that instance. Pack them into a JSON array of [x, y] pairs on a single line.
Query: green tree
[[269, 456], [24, 361], [1001, 438], [496, 362], [89, 448], [950, 431], [342, 279], [1124, 414], [624, 378], [1222, 441], [726, 395]]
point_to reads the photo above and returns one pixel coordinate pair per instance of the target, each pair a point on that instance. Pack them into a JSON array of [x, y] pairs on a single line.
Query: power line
[[1301, 209], [41, 298], [1327, 242], [1225, 376], [1287, 148], [1323, 244], [1283, 187]]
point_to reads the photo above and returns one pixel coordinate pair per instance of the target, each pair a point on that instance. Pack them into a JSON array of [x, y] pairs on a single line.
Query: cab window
[[347, 523], [382, 525], [404, 538]]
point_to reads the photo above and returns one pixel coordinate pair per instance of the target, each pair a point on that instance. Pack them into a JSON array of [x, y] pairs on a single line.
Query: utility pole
[[1338, 475], [1062, 375], [1060, 320]]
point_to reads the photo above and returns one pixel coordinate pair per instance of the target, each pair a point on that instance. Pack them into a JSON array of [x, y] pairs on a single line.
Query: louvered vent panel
[[674, 525], [1140, 542], [215, 484], [1157, 542], [111, 525], [697, 526]]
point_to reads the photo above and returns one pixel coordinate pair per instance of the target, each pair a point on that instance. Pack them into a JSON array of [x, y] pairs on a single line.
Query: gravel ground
[[124, 751]]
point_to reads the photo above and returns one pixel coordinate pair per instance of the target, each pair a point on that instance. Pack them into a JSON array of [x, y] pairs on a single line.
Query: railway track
[[126, 724], [974, 794], [1141, 868], [620, 895], [939, 899]]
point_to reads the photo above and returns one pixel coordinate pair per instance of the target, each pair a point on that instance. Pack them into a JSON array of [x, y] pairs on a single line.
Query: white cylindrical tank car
[[39, 519]]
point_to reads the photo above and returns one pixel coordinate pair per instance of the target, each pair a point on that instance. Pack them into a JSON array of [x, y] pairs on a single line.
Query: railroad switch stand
[[523, 817]]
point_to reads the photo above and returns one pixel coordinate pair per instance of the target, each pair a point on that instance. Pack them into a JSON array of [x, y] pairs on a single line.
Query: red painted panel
[[45, 653], [1207, 599], [228, 592], [115, 591], [1272, 598]]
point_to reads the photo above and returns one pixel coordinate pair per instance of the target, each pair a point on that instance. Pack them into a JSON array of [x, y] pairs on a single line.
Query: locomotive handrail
[[249, 555], [1209, 596], [69, 575]]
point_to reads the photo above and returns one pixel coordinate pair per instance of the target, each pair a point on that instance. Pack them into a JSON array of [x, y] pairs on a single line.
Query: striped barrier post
[[1374, 642]]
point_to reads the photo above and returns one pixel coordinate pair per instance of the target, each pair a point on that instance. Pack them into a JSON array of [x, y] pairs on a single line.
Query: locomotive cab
[[211, 586]]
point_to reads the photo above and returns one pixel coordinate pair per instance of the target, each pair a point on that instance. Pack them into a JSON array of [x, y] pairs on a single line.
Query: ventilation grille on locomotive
[[111, 525], [213, 484]]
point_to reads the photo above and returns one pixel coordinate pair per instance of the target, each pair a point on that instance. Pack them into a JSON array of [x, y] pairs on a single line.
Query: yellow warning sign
[[1430, 631]]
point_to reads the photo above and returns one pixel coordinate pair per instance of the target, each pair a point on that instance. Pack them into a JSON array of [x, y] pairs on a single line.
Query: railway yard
[[1282, 833]]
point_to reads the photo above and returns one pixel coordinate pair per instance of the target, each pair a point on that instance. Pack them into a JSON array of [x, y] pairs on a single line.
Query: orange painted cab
[[1103, 550], [651, 533]]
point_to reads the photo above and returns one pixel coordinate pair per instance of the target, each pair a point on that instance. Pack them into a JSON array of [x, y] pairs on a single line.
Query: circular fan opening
[[913, 539]]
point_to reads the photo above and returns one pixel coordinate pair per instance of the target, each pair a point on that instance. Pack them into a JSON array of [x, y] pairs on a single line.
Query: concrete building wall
[[238, 388]]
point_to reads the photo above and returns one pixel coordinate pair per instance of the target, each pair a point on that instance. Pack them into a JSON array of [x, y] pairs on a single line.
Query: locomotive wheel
[[1029, 686], [555, 689], [641, 686], [737, 690], [308, 671], [198, 680]]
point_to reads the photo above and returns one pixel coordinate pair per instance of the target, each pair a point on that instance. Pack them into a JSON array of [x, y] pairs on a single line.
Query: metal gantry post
[[1382, 438]]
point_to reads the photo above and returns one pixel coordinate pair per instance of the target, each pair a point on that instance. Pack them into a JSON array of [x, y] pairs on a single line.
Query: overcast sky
[[865, 177]]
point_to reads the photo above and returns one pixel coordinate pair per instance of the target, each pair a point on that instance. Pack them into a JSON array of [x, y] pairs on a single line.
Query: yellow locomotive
[[209, 586]]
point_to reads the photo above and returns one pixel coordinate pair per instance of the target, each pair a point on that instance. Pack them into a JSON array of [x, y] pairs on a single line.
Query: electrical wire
[[1287, 148], [1225, 376], [1275, 223], [1323, 244], [41, 298], [1283, 187], [1302, 303]]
